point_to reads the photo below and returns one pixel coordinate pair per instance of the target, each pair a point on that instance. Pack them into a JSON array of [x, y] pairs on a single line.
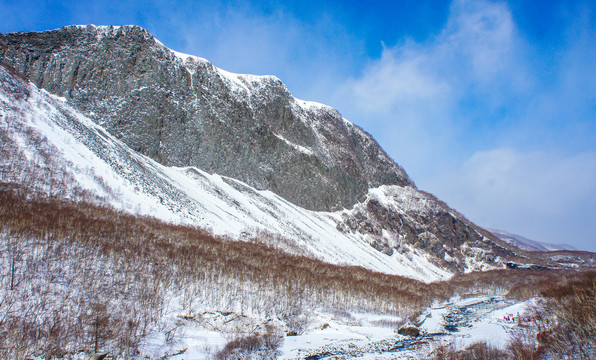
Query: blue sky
[[490, 105]]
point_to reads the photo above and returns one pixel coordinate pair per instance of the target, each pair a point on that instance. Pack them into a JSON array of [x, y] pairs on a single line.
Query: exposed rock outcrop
[[183, 111], [401, 219]]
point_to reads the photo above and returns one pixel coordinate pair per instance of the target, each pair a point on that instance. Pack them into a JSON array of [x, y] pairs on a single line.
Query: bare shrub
[[273, 337], [445, 352], [565, 319], [476, 351], [251, 346], [484, 351], [522, 346], [296, 319], [341, 314]]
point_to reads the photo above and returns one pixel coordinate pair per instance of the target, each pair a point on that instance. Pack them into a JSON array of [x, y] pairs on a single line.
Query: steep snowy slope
[[43, 136]]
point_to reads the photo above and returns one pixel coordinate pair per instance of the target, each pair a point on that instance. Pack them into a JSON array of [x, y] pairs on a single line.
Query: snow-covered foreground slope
[[44, 133]]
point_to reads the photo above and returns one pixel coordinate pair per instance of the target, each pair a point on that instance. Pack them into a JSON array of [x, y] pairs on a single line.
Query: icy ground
[[343, 335]]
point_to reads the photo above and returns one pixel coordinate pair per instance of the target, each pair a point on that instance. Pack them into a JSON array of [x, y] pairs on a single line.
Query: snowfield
[[370, 336]]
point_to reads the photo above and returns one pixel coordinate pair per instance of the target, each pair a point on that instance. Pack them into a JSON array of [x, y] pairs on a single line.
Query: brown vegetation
[[81, 276], [565, 318], [84, 276], [475, 351]]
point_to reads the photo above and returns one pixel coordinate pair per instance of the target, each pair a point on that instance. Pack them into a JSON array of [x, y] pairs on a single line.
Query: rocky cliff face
[[402, 220], [182, 111]]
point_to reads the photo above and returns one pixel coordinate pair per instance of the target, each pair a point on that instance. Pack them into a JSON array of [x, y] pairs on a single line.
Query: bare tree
[[565, 319]]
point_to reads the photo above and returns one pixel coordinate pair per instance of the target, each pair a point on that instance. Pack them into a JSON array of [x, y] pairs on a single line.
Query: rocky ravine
[[183, 111]]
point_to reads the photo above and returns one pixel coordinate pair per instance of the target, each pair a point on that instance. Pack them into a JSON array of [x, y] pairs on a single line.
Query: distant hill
[[527, 244]]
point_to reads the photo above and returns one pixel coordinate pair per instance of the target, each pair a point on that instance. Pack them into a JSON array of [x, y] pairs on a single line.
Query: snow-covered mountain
[[43, 132], [154, 132]]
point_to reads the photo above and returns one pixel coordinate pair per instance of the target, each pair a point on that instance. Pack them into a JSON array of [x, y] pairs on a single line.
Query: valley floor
[[343, 335]]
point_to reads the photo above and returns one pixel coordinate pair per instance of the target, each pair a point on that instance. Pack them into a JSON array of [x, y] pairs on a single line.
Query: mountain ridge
[[186, 112], [528, 244]]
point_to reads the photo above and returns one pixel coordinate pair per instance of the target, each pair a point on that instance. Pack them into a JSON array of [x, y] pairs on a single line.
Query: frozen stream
[[343, 335], [461, 321]]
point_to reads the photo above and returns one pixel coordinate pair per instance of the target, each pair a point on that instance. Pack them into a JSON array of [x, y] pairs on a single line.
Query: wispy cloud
[[476, 53], [308, 55], [476, 118]]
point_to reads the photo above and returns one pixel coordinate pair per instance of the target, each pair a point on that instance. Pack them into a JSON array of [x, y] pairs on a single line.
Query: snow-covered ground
[[369, 336], [474, 319], [343, 335]]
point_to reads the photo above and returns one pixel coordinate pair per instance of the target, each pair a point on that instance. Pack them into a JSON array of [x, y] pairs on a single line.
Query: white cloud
[[482, 35], [477, 50], [433, 105], [398, 79]]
